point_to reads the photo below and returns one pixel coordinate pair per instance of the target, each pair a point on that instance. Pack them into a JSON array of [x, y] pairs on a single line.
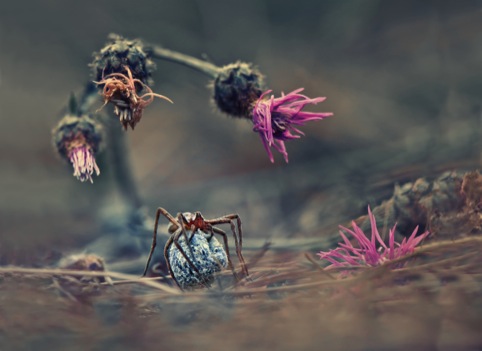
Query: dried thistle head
[[236, 87], [83, 262], [76, 286], [119, 53], [77, 140], [122, 91], [239, 91]]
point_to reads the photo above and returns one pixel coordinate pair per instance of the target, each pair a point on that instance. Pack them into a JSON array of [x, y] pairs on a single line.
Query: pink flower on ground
[[84, 164], [274, 119], [367, 253]]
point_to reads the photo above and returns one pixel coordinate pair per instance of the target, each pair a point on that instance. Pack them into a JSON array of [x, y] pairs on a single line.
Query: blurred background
[[403, 79]]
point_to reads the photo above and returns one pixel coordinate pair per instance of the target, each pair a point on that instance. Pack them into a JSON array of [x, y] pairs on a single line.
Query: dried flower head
[[78, 139], [83, 262], [121, 90], [76, 286], [236, 87], [275, 119], [119, 53], [370, 252]]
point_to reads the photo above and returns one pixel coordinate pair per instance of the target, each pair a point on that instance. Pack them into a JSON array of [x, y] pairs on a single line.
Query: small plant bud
[[119, 53], [78, 139], [236, 88]]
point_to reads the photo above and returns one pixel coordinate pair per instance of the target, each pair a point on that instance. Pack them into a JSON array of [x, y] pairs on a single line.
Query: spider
[[195, 223], [121, 91]]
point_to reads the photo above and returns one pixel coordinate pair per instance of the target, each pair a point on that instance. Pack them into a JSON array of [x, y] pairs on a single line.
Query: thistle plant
[[371, 251], [122, 71], [239, 91]]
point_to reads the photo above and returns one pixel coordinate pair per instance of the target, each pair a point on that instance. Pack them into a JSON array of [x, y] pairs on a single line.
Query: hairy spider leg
[[174, 239], [181, 219], [238, 222], [225, 239], [171, 219], [230, 220]]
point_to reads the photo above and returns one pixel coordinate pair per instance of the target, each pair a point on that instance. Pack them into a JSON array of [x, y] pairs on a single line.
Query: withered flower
[[122, 91], [78, 139]]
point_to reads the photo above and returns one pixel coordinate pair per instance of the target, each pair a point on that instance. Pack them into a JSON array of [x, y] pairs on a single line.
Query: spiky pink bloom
[[367, 253], [275, 119], [83, 161]]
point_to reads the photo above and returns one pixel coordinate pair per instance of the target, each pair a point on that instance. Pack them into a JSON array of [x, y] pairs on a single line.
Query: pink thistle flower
[[83, 161], [274, 119], [367, 253], [77, 140]]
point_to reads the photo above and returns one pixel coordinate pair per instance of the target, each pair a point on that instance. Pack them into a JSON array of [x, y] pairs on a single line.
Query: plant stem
[[202, 66], [117, 150], [121, 169]]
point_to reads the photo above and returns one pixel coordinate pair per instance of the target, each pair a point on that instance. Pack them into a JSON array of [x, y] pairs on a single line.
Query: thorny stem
[[207, 68]]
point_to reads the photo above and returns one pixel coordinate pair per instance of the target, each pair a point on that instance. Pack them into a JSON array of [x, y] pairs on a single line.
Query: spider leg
[[236, 217], [184, 234], [211, 232], [238, 223], [238, 244], [166, 256], [172, 240], [233, 216], [226, 247], [166, 214]]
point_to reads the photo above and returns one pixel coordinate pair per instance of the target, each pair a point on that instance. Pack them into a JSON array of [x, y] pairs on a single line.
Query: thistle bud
[[236, 88], [77, 140], [119, 53]]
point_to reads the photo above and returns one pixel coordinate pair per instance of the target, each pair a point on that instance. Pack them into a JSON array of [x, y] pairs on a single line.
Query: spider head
[[190, 221], [193, 221]]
